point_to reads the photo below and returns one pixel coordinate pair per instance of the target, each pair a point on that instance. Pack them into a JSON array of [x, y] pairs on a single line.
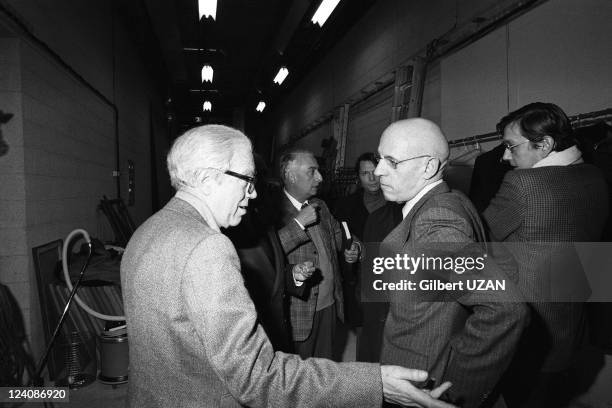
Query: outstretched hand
[[398, 389]]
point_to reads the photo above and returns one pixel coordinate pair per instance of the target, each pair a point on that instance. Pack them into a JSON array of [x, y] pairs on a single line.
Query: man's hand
[[398, 389], [308, 215], [303, 271], [351, 255]]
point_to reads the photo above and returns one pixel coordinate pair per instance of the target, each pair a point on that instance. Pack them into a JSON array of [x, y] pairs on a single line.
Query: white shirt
[[295, 202], [297, 205], [410, 203]]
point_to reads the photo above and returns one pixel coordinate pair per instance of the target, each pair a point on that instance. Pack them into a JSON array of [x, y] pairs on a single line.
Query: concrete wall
[[556, 52], [391, 32], [62, 137]]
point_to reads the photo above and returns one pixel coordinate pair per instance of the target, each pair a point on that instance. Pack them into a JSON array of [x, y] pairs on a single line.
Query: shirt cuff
[[300, 224]]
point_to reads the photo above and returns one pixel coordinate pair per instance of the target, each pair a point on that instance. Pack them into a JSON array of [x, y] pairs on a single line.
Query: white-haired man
[[194, 336]]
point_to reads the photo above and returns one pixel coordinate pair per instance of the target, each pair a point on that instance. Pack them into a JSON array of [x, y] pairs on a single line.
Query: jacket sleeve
[[291, 236], [505, 213], [223, 317], [482, 349]]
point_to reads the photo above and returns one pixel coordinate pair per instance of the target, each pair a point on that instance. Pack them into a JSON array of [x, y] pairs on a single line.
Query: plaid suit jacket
[[468, 338], [299, 248], [546, 207]]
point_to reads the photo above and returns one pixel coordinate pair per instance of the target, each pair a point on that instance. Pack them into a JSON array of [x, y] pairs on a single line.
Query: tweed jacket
[[299, 248], [467, 338], [556, 205], [194, 337]]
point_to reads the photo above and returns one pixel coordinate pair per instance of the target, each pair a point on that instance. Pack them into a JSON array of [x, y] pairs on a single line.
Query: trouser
[[320, 343]]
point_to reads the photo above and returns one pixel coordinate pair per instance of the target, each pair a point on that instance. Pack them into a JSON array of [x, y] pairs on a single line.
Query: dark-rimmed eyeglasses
[[394, 163], [250, 180]]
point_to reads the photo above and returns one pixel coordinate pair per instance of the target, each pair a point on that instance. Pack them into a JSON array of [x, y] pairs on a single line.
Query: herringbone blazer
[[299, 248], [468, 338], [194, 337], [544, 210]]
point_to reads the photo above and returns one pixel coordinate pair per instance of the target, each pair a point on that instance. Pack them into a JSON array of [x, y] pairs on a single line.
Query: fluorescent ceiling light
[[207, 73], [207, 106], [207, 8], [324, 11], [260, 106], [281, 75]]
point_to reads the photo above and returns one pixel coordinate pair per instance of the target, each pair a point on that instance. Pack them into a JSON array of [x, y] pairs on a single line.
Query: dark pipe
[[43, 45], [37, 380]]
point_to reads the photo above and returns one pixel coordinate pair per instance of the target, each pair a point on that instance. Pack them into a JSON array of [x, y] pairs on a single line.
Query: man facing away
[[549, 201], [194, 338], [466, 337]]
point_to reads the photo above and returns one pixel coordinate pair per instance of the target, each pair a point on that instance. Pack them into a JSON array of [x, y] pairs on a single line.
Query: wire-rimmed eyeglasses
[[510, 147], [394, 163]]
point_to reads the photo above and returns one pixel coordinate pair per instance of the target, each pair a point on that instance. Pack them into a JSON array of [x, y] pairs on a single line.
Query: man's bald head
[[414, 153], [418, 136]]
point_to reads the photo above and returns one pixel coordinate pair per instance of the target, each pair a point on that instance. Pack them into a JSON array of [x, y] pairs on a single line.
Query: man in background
[[317, 240], [549, 201]]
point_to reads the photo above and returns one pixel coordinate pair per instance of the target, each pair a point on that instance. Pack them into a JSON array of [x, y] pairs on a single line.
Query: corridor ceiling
[[246, 45]]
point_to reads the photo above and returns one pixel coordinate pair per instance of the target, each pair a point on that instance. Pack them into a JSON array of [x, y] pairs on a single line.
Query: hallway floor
[[98, 395]]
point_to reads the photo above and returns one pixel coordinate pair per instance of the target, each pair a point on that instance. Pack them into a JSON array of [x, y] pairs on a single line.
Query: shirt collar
[[571, 155], [192, 197], [295, 202], [410, 203]]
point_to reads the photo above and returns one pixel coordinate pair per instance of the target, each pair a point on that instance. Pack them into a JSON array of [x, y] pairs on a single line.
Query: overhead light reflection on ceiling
[[207, 8], [324, 11], [260, 106], [281, 75], [207, 73]]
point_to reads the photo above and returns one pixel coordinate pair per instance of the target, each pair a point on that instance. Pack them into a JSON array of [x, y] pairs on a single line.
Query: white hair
[[195, 154]]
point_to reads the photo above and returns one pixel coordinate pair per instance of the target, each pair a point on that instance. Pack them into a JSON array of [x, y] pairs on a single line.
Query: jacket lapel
[[401, 233], [288, 210]]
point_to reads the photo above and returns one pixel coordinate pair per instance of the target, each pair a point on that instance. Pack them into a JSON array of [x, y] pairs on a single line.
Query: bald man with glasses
[[462, 336]]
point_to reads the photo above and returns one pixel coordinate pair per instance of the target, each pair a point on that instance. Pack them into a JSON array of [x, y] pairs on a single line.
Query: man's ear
[[431, 169], [547, 145], [290, 176], [209, 184]]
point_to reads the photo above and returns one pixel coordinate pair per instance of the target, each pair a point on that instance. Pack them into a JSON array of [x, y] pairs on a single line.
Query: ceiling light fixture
[[260, 106], [324, 11], [207, 107], [207, 73], [281, 75], [207, 8]]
